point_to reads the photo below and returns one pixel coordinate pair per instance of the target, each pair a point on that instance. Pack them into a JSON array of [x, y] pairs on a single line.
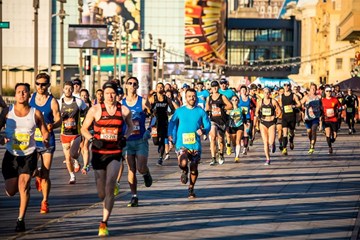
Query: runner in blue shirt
[[202, 94], [186, 127]]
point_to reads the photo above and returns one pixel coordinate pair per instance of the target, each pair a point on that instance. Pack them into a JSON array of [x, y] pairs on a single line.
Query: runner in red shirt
[[330, 115]]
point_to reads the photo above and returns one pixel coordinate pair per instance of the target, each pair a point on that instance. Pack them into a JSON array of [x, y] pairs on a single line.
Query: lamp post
[[150, 40], [80, 9], [158, 51], [120, 44], [115, 25], [62, 15], [1, 49], [163, 61], [36, 6], [127, 29]]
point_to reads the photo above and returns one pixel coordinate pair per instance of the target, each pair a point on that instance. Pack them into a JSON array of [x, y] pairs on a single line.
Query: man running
[[351, 102], [137, 146], [186, 127], [20, 159], [107, 144], [43, 101]]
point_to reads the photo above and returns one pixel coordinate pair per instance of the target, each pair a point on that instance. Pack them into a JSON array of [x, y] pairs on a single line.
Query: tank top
[[287, 105], [48, 116], [267, 110], [245, 106], [70, 118], [217, 109], [313, 108], [161, 109], [109, 130], [20, 131], [138, 119]]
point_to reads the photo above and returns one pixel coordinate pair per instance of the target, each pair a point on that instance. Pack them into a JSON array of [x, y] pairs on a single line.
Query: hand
[[147, 135], [96, 143], [46, 143], [200, 132], [4, 140], [50, 127]]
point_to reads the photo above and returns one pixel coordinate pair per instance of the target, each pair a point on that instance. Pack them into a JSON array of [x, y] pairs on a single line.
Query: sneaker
[[228, 151], [267, 163], [38, 183], [204, 137], [244, 151], [221, 159], [237, 159], [330, 150], [72, 180], [191, 193], [20, 226], [291, 146], [103, 230], [251, 142], [281, 147], [273, 149], [160, 162], [117, 189], [44, 207], [213, 162], [332, 139], [134, 202], [284, 151], [184, 177], [353, 130], [147, 179], [76, 166], [85, 169], [311, 151], [167, 157], [350, 131]]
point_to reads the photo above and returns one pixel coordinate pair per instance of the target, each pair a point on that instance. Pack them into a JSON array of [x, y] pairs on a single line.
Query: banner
[[205, 31]]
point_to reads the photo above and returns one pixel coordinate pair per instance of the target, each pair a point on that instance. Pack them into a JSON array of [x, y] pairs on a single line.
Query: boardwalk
[[297, 197]]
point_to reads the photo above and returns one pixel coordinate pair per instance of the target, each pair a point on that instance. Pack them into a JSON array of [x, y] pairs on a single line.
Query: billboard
[[87, 36], [205, 32]]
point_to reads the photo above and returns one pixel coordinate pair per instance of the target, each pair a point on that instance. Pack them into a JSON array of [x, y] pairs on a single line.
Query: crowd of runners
[[113, 128]]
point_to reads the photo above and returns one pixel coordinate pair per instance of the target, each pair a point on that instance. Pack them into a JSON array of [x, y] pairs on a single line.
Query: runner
[[266, 112], [253, 97], [313, 111], [77, 87], [137, 146], [186, 127], [279, 119], [43, 101], [245, 106], [159, 106], [84, 95], [99, 97], [70, 138], [340, 96], [352, 103], [20, 159], [216, 105], [289, 102], [4, 111], [330, 112], [107, 144]]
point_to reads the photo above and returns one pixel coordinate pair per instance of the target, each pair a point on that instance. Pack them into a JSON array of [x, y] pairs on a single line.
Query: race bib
[[70, 123], [154, 132], [266, 112], [136, 129], [330, 112], [288, 109], [245, 110], [215, 111], [21, 141], [109, 134], [188, 138], [349, 110], [38, 136]]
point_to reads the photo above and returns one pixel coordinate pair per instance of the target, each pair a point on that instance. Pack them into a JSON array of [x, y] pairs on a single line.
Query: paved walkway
[[296, 197]]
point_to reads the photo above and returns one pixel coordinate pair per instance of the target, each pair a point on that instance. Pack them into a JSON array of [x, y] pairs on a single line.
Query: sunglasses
[[234, 100], [286, 85], [132, 83], [77, 84], [41, 84]]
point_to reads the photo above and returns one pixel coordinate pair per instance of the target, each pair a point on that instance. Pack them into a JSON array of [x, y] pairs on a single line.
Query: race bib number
[[136, 129], [109, 134], [349, 110], [70, 123], [21, 141], [288, 109], [330, 112], [266, 112], [245, 110], [215, 111], [188, 138], [154, 132], [38, 136]]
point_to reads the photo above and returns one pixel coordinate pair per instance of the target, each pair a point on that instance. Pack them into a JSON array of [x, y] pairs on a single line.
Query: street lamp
[[158, 51], [36, 5], [127, 30], [80, 8], [62, 15], [163, 61]]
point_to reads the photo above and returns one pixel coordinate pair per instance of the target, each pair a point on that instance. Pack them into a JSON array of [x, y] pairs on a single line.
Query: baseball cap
[[215, 84], [110, 84], [253, 86], [120, 91], [76, 81], [185, 85], [223, 80]]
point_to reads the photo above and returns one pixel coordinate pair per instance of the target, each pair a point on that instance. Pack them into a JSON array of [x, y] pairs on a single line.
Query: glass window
[[339, 63]]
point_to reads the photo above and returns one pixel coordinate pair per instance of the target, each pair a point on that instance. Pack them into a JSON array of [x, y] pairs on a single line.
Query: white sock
[[237, 150]]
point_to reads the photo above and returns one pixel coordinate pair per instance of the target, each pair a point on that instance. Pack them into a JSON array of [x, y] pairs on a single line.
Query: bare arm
[[296, 99], [56, 113], [4, 111], [128, 120], [90, 117], [39, 118], [228, 105], [146, 105]]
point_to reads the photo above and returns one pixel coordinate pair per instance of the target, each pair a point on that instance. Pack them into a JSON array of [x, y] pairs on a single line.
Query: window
[[339, 63]]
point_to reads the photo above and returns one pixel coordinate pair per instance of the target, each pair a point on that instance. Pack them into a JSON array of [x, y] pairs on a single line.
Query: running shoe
[[160, 162], [184, 177], [204, 137], [72, 180], [213, 162], [147, 179], [281, 147], [134, 202], [267, 163], [311, 151], [44, 207], [284, 151], [273, 149], [103, 230], [76, 166], [350, 131], [117, 188], [291, 146], [330, 150], [221, 159], [332, 139], [228, 151], [237, 159], [85, 169], [38, 183], [244, 151], [167, 157], [191, 193], [20, 226]]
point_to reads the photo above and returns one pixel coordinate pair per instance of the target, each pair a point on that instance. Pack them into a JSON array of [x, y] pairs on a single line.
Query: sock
[[285, 141], [134, 195], [246, 141], [237, 150], [228, 145]]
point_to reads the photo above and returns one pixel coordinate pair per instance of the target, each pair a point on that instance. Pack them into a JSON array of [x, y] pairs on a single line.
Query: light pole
[[62, 15], [120, 45], [80, 8], [163, 61], [127, 29], [1, 49], [36, 5], [158, 59]]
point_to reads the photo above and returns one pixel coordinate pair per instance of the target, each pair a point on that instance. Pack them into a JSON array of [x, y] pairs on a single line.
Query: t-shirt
[[330, 109], [201, 98], [227, 92]]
